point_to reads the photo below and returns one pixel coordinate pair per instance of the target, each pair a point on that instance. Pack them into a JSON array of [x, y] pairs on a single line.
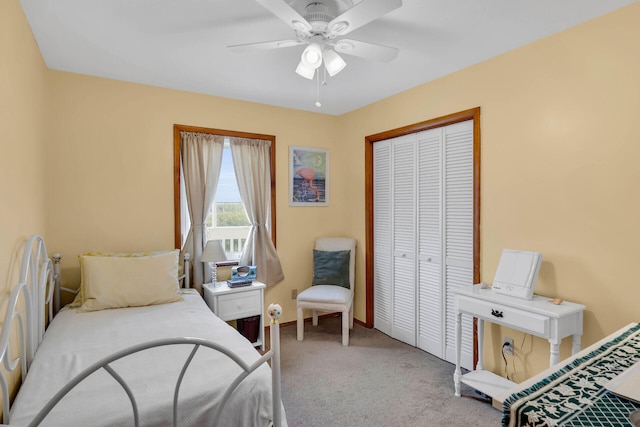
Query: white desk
[[237, 303], [536, 317]]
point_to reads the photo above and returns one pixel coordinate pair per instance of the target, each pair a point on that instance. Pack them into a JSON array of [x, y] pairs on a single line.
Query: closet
[[423, 236]]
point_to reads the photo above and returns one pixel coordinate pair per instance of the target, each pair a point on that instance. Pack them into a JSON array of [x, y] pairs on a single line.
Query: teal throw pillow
[[331, 268]]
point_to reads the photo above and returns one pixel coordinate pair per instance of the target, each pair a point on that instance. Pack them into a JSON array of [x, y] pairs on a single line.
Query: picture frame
[[308, 176]]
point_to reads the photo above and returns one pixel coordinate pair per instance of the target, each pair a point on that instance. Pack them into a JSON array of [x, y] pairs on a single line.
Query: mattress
[[75, 340]]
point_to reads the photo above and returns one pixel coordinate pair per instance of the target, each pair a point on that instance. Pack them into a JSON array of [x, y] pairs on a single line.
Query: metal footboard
[[273, 354]]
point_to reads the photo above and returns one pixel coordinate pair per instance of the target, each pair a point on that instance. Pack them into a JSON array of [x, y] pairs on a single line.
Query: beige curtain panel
[[201, 156], [252, 165]]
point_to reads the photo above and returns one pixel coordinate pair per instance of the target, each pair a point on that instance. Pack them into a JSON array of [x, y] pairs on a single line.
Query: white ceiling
[[181, 44]]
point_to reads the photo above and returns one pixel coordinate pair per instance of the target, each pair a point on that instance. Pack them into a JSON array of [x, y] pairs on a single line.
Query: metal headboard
[[37, 285]]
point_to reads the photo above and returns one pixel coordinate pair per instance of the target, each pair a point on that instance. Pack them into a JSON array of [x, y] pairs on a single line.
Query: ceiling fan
[[320, 29]]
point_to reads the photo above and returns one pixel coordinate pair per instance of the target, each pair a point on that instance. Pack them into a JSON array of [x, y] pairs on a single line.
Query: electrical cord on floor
[[506, 364]]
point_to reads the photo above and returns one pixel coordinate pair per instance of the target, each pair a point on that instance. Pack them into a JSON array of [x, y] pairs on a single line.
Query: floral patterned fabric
[[575, 394]]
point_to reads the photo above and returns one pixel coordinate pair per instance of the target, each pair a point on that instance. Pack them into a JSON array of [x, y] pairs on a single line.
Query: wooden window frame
[[177, 128]]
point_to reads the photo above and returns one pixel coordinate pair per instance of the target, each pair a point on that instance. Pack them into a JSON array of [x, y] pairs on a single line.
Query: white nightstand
[[237, 303]]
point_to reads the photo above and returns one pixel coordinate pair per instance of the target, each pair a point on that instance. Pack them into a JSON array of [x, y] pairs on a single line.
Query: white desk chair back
[[330, 297]]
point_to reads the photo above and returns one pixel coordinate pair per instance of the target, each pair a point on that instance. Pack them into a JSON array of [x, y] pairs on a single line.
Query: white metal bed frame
[[39, 283]]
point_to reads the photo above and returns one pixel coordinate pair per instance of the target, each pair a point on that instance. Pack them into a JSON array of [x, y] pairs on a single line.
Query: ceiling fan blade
[[276, 44], [286, 13], [359, 15], [366, 50]]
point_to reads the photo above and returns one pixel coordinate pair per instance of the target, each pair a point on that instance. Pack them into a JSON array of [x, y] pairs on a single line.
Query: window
[[227, 219]]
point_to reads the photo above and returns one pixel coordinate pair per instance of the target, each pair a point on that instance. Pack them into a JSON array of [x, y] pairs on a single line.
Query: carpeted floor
[[376, 381]]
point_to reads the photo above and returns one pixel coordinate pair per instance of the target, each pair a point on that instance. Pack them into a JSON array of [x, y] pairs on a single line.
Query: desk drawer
[[505, 315], [239, 305]]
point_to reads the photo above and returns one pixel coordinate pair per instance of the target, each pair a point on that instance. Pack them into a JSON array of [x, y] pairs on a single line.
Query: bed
[[167, 363], [576, 392]]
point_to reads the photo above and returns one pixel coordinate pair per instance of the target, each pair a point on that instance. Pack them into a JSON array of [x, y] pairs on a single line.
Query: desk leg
[[457, 373], [575, 341], [554, 353], [480, 364]]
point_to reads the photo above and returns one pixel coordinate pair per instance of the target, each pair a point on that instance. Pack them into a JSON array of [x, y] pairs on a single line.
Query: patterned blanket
[[575, 394]]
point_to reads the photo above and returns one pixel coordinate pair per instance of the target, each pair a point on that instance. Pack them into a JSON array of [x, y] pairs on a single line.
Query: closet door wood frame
[[471, 114]]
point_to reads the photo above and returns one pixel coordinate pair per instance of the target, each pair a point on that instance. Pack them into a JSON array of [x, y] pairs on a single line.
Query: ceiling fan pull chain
[[318, 104]]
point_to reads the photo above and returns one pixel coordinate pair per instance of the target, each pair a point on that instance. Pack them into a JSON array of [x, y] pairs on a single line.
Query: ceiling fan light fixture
[[305, 71], [333, 62], [312, 56]]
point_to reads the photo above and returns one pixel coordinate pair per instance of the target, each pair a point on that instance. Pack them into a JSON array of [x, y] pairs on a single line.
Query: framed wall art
[[308, 176]]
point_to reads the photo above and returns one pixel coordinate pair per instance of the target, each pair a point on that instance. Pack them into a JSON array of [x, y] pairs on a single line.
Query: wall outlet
[[294, 293], [507, 346]]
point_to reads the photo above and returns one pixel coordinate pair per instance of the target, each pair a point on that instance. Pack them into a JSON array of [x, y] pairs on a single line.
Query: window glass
[[227, 219]]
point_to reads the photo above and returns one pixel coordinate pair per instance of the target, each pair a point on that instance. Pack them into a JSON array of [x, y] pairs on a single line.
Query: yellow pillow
[[128, 280], [79, 298]]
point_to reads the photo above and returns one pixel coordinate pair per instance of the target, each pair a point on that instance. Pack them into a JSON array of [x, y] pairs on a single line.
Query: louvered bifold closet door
[[382, 228], [403, 325], [430, 318], [458, 232]]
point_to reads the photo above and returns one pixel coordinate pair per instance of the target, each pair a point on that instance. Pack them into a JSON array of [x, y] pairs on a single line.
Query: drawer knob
[[496, 313]]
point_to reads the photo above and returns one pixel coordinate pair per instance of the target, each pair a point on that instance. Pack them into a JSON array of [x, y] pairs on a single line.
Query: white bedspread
[[76, 340]]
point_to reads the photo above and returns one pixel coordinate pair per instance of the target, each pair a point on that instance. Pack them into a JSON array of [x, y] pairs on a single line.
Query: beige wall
[[22, 142], [558, 142], [22, 126], [113, 170], [560, 147]]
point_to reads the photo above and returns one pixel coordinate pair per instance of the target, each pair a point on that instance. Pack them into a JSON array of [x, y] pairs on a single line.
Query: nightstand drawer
[[239, 305], [508, 316]]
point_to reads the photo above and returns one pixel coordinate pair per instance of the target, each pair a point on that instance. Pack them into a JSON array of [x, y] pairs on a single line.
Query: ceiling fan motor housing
[[318, 15]]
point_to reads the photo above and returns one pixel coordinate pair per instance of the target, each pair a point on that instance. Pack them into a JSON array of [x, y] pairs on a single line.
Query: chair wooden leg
[[314, 318], [300, 324], [345, 328]]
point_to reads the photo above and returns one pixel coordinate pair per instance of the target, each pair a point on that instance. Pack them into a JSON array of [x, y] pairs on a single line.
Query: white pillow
[[128, 281]]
